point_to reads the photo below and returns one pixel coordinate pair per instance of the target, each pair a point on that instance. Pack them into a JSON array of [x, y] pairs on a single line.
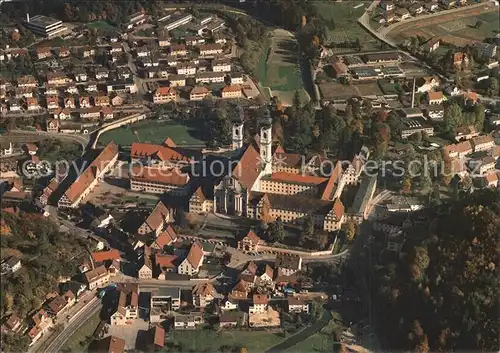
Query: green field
[[345, 18], [319, 342], [102, 25], [278, 67], [491, 25], [211, 341], [154, 131], [81, 339]]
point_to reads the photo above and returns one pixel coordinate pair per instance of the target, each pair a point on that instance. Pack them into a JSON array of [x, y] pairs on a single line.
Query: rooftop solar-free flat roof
[[43, 21]]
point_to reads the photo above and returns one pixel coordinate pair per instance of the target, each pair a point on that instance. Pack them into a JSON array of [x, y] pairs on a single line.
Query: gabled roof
[[338, 208], [101, 256], [159, 336], [204, 289], [435, 95], [479, 140], [248, 168], [195, 255], [98, 272], [288, 262], [332, 182], [157, 216], [172, 177], [165, 153], [254, 238], [268, 270], [165, 260], [166, 238], [260, 299], [83, 181]]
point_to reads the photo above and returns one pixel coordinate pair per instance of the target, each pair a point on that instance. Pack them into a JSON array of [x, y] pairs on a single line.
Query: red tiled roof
[[297, 178], [203, 289], [247, 170], [332, 182], [435, 95], [195, 255], [199, 90], [156, 217], [231, 88], [163, 91], [254, 238], [166, 238], [101, 256], [260, 299], [172, 176], [165, 260], [165, 153], [87, 177], [338, 208]]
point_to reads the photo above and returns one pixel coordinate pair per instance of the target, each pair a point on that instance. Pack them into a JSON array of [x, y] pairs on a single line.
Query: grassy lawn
[[81, 339], [319, 342], [154, 131], [345, 17], [103, 25], [490, 25], [211, 341]]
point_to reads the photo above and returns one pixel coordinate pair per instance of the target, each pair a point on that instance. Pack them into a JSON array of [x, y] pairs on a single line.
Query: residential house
[[435, 112], [266, 278], [470, 98], [219, 65], [490, 180], [53, 125], [233, 319], [146, 270], [101, 73], [485, 50], [427, 83], [14, 105], [453, 90], [84, 102], [186, 69], [229, 305], [163, 41], [210, 77], [288, 264], [62, 114], [402, 13], [107, 113], [12, 324], [116, 101], [250, 242], [10, 265], [32, 104], [88, 52], [465, 133], [297, 305], [101, 101], [105, 257], [177, 80], [172, 60], [91, 113], [191, 265], [116, 48], [41, 322], [237, 78], [433, 44], [210, 49], [164, 95], [56, 306], [387, 5], [56, 78], [431, 6], [259, 304], [26, 81], [460, 58], [127, 309], [232, 91], [166, 238], [481, 166], [416, 9], [71, 88], [187, 321], [51, 90], [97, 277], [435, 97], [203, 294], [165, 264], [52, 102], [200, 202], [198, 93], [43, 53], [69, 102], [156, 221], [178, 50], [483, 143], [31, 148]]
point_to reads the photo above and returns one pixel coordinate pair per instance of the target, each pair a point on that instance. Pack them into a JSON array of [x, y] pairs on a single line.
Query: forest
[[46, 255], [443, 295]]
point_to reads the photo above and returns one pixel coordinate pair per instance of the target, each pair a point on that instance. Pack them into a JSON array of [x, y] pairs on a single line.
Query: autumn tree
[[350, 229]]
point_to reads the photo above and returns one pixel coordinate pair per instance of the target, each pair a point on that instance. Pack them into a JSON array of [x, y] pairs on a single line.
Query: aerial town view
[[250, 176]]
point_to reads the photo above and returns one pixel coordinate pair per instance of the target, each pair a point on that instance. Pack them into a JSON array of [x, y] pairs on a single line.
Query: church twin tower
[[265, 142]]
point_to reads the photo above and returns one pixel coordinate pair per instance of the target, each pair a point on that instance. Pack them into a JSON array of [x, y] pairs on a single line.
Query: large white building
[[44, 26]]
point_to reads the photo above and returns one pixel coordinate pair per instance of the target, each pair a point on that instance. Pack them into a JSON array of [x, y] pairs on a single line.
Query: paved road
[[74, 324]]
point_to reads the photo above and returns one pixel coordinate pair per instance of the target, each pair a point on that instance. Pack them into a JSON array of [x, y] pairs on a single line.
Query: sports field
[[459, 28], [345, 16], [279, 68], [154, 131]]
